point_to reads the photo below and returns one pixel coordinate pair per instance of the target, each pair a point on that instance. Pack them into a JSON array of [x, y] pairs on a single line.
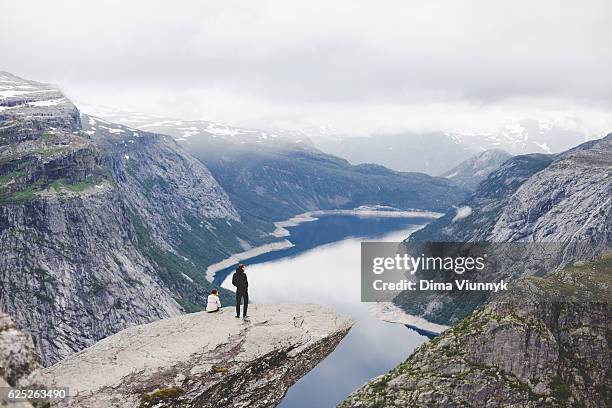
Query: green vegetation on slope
[[172, 269], [543, 343]]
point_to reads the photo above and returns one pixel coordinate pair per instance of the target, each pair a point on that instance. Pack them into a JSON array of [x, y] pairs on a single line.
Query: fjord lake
[[323, 267]]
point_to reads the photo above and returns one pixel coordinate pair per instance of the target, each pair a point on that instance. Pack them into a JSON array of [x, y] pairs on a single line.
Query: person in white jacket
[[214, 303]]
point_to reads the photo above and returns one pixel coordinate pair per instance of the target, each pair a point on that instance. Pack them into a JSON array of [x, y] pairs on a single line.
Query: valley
[[108, 227], [305, 204]]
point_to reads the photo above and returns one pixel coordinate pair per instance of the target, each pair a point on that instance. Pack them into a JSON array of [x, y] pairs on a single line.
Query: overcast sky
[[354, 66]]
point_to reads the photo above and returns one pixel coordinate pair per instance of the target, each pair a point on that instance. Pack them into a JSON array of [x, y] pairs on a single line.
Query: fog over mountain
[[350, 68], [437, 152]]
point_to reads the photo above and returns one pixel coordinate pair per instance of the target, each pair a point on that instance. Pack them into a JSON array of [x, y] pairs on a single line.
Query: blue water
[[324, 268], [328, 229]]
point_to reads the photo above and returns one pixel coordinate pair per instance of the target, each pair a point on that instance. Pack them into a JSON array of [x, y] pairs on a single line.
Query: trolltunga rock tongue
[[201, 359]]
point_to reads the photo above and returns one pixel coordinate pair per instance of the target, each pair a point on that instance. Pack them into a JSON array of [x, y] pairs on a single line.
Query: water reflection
[[329, 275]]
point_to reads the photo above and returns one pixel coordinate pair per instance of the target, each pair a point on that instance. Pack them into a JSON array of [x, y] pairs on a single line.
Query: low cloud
[[316, 62]]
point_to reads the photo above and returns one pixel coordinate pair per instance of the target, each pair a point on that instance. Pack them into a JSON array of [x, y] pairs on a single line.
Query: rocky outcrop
[[471, 172], [201, 359], [544, 343], [18, 356]]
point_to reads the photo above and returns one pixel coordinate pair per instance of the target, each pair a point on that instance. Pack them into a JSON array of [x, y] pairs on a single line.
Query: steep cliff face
[[569, 201], [471, 172], [96, 224], [563, 200], [201, 359], [473, 219], [184, 220], [544, 343]]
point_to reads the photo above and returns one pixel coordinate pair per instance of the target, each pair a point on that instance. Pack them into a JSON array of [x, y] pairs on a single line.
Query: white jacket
[[213, 303]]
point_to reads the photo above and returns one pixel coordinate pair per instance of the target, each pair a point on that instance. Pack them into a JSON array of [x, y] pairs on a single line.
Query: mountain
[[104, 226], [528, 136], [537, 197], [188, 131], [561, 202], [432, 153], [545, 343], [273, 176], [437, 152], [101, 227], [471, 172]]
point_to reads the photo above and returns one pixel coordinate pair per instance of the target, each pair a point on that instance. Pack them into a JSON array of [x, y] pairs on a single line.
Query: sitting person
[[214, 303]]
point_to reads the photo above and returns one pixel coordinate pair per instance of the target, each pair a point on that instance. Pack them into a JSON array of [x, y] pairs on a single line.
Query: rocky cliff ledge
[[201, 359], [545, 343]]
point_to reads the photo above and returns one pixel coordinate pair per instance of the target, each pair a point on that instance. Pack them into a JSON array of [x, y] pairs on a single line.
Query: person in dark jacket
[[240, 281]]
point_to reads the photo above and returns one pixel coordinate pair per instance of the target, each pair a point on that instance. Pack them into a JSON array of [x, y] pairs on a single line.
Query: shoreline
[[390, 313], [309, 216], [363, 211], [241, 256]]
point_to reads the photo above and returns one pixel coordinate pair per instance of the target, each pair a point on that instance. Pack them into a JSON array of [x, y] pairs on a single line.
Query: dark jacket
[[240, 281]]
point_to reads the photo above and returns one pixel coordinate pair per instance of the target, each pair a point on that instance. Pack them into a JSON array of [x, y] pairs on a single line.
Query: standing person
[[214, 303], [240, 281]]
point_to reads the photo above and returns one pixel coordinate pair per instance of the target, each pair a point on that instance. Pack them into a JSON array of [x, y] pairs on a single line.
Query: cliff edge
[[201, 359]]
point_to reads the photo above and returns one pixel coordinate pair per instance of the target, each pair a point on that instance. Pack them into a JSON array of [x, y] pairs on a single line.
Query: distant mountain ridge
[[273, 176], [471, 172], [184, 131], [437, 152], [527, 136], [431, 153]]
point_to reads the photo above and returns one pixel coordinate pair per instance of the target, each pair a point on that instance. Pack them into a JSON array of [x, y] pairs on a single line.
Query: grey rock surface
[[570, 200], [201, 359], [472, 171], [18, 356], [545, 343], [563, 200]]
